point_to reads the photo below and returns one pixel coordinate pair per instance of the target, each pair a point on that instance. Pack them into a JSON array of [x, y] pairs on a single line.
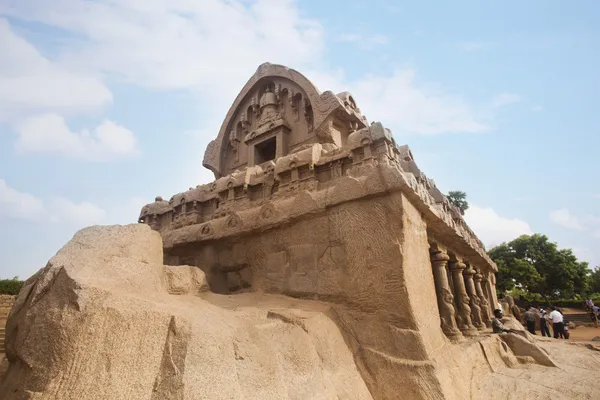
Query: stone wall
[[370, 258]]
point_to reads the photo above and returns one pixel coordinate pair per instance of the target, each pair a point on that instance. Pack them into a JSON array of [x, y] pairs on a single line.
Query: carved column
[[486, 291], [464, 311], [485, 305], [491, 287], [439, 261], [474, 301]]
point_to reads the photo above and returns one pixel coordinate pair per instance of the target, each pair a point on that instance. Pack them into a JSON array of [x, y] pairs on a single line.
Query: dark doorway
[[265, 151]]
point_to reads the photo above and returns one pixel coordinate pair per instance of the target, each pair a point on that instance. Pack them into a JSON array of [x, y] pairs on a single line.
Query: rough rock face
[[106, 320]]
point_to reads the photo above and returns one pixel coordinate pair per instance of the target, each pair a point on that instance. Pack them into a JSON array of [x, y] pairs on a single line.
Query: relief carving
[[206, 229], [267, 211], [233, 221], [269, 182], [447, 296], [336, 169], [234, 141]]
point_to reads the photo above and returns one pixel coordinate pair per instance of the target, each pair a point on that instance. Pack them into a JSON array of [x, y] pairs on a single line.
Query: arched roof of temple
[[321, 111]]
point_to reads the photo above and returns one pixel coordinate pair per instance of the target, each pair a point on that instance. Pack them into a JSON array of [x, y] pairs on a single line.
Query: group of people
[[555, 319]]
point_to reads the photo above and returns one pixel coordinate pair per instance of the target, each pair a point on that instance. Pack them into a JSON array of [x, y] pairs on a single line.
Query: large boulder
[[106, 320]]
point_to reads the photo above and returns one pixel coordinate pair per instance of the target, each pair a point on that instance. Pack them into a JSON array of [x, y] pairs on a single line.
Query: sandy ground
[[584, 334]]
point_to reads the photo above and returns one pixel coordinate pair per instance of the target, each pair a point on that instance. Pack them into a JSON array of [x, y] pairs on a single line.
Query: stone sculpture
[[308, 175]]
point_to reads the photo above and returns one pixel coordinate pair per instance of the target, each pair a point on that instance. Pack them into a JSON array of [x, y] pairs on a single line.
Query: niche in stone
[[265, 151]]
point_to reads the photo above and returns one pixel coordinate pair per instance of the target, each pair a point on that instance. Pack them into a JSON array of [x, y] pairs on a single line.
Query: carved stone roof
[[323, 109]]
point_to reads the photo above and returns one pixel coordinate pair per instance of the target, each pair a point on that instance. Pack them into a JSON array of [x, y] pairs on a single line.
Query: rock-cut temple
[[312, 201]]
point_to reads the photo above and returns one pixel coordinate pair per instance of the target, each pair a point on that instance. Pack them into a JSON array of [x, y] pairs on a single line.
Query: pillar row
[[474, 301], [464, 310], [439, 262]]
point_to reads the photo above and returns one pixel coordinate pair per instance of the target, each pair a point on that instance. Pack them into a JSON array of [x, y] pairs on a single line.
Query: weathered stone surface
[[184, 279], [98, 322], [84, 328], [522, 347]]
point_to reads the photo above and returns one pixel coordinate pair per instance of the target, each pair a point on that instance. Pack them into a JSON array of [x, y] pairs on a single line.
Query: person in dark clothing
[[498, 326], [529, 317]]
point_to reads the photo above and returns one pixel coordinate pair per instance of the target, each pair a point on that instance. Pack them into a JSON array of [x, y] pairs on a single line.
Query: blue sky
[[106, 104]]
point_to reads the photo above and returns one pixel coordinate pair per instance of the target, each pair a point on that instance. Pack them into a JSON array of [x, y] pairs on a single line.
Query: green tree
[[10, 286], [513, 270], [535, 264], [594, 280], [458, 199]]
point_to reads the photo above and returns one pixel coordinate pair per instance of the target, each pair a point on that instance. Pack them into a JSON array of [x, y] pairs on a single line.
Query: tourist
[[544, 323], [594, 310], [557, 323], [498, 326], [529, 317]]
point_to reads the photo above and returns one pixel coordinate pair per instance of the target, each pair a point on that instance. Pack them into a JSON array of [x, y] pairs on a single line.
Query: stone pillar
[[491, 284], [439, 261], [486, 313], [485, 287], [464, 311], [474, 301]]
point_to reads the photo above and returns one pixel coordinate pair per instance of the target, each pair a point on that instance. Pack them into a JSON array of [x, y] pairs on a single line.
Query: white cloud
[[210, 46], [504, 99], [564, 218], [400, 103], [79, 214], [492, 228], [127, 211], [471, 46], [183, 44], [25, 206], [20, 205], [49, 133], [30, 83], [596, 196], [537, 108]]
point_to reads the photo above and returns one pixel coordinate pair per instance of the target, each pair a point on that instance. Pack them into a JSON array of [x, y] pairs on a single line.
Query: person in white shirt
[[557, 323], [544, 323]]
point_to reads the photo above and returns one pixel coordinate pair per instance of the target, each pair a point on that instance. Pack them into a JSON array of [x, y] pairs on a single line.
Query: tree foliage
[[10, 286], [459, 200], [536, 265], [595, 280]]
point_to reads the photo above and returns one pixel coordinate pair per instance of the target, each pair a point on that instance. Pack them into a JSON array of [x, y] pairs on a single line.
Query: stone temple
[[312, 201], [321, 264]]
